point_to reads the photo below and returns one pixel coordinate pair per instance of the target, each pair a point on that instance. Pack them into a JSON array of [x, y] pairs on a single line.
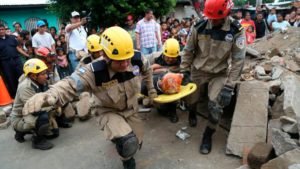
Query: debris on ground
[[266, 118], [182, 134]]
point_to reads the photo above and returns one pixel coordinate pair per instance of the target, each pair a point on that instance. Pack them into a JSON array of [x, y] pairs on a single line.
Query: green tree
[[110, 12]]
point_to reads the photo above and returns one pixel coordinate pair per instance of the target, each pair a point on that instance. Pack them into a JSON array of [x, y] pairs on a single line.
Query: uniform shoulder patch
[[137, 59], [240, 42], [99, 65], [200, 26], [87, 60]]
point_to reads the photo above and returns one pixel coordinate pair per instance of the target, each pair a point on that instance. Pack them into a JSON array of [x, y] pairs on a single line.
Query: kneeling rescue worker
[[214, 58], [116, 81]]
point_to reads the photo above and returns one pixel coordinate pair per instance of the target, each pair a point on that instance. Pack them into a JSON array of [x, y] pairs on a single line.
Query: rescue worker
[[37, 122], [116, 81], [214, 58], [167, 60], [86, 100]]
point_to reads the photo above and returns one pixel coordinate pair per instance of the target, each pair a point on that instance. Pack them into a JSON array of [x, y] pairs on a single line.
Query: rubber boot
[[39, 142], [129, 164], [173, 117], [192, 118], [206, 145], [19, 136]]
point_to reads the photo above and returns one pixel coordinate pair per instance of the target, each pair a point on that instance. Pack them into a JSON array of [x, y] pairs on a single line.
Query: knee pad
[[42, 122], [127, 145], [215, 112]]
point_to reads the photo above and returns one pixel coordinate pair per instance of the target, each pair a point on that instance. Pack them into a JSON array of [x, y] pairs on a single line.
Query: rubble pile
[[268, 123]]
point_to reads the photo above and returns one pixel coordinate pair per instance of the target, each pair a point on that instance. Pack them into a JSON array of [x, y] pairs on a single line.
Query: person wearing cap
[[213, 58], [76, 38], [168, 60], [115, 81], [42, 38], [131, 28], [36, 123]]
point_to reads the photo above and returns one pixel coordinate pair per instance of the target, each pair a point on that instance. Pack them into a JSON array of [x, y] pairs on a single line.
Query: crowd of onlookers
[[262, 22]]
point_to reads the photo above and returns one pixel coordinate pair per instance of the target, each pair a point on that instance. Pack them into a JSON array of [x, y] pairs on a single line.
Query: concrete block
[[260, 154], [273, 124], [249, 123], [282, 142], [289, 125], [291, 102], [289, 160]]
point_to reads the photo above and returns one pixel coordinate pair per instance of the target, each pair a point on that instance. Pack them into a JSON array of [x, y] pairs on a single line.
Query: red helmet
[[217, 9], [43, 51]]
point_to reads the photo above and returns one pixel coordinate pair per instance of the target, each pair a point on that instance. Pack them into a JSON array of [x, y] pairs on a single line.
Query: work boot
[[55, 134], [129, 164], [63, 122], [206, 144], [19, 136], [173, 117], [192, 119], [39, 142]]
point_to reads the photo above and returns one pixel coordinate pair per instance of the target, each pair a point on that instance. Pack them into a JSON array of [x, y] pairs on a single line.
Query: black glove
[[186, 78], [225, 96]]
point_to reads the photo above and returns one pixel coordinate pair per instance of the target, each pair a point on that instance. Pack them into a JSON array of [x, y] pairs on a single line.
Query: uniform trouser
[[215, 83], [115, 125], [166, 109], [11, 71], [26, 123]]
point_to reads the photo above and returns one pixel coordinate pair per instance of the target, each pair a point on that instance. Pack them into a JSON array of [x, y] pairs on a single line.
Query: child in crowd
[[63, 66], [164, 32], [250, 35]]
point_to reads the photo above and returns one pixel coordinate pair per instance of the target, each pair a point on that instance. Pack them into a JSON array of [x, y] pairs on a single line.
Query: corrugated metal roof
[[23, 2]]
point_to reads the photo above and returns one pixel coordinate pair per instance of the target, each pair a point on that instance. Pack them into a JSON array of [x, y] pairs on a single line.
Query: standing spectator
[[42, 38], [7, 30], [21, 38], [131, 29], [247, 21], [261, 26], [250, 35], [272, 16], [176, 24], [147, 38], [10, 63], [29, 48], [53, 33], [62, 39], [63, 67], [164, 32], [17, 26], [287, 17], [297, 23], [280, 24], [76, 38], [292, 19], [239, 16]]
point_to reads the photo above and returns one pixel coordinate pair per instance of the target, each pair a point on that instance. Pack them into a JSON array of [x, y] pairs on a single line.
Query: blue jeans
[[147, 51], [73, 59]]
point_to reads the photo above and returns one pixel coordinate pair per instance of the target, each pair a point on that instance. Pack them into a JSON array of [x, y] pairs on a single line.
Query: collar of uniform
[[112, 73], [33, 84], [225, 27]]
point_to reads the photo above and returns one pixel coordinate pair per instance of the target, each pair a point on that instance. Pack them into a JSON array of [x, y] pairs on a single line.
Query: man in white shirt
[[42, 38], [76, 38]]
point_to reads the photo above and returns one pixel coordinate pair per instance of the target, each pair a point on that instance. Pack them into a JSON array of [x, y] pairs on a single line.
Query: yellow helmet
[[34, 66], [93, 43], [117, 43], [171, 48]]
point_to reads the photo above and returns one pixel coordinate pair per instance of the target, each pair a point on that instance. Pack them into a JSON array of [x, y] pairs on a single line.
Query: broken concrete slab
[[260, 154], [249, 123], [252, 52], [277, 108], [289, 160], [272, 124], [291, 103], [289, 125], [282, 142], [276, 72]]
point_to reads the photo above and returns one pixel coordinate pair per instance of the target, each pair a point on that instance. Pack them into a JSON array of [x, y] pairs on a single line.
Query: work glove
[[225, 96], [186, 78], [37, 102], [151, 95]]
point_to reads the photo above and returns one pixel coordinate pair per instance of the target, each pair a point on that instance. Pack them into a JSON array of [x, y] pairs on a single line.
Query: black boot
[[39, 142], [173, 117], [192, 118], [19, 136], [63, 122], [55, 134], [129, 164], [206, 144]]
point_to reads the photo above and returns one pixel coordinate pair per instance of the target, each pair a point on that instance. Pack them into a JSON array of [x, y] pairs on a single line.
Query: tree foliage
[[110, 12]]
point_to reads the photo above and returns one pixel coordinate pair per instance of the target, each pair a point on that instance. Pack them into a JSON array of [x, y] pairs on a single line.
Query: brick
[[260, 154], [249, 123]]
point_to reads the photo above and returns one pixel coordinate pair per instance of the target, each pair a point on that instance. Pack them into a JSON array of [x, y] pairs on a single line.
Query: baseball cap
[[75, 13], [129, 18], [40, 23]]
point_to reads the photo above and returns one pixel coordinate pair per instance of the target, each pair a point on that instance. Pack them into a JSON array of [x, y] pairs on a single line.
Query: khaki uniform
[[117, 93], [215, 57], [157, 58], [26, 89]]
